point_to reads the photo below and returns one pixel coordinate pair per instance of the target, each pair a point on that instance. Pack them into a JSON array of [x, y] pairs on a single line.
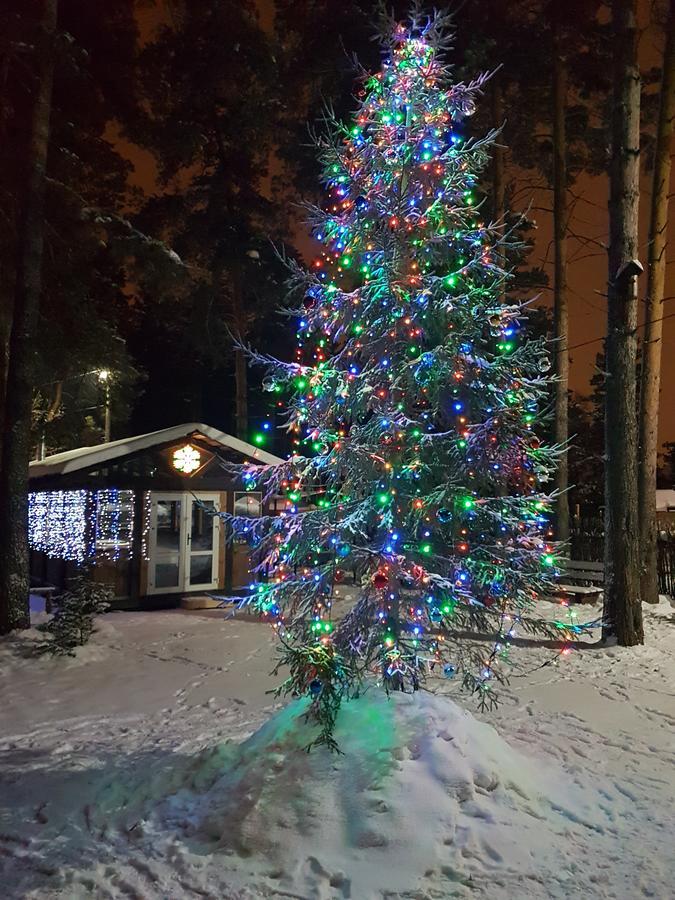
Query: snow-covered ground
[[140, 769]]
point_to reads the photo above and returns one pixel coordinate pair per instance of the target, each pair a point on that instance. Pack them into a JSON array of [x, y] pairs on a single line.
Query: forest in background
[[148, 281]]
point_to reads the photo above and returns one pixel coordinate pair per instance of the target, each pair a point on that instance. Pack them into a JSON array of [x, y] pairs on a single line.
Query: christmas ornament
[[380, 579]]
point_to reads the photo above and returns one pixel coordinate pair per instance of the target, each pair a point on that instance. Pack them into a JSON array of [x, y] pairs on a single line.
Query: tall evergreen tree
[[16, 437], [623, 610], [656, 279], [210, 117], [415, 405], [70, 321], [543, 97]]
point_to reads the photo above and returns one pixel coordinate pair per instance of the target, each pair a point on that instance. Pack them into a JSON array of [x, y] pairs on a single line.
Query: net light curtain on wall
[[81, 525]]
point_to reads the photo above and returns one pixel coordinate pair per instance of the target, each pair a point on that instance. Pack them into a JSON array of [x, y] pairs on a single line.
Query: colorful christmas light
[[414, 394]]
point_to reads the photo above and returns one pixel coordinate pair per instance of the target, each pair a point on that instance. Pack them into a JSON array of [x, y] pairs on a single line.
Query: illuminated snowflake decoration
[[187, 459]]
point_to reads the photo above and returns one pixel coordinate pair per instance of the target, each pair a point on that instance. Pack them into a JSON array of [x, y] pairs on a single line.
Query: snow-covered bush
[[73, 622]]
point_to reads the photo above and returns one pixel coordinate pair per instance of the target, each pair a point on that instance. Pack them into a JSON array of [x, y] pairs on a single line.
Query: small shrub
[[73, 622]]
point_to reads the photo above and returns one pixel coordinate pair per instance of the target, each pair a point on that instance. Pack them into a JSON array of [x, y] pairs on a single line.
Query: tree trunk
[[498, 166], [498, 161], [5, 330], [16, 442], [241, 394], [240, 323], [623, 611], [651, 351], [55, 405], [560, 313]]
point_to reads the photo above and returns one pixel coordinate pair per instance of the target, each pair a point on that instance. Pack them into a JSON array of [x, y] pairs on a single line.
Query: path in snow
[[122, 776]]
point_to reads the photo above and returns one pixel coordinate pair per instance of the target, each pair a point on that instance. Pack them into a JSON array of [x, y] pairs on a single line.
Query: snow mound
[[423, 793], [135, 770], [18, 649]]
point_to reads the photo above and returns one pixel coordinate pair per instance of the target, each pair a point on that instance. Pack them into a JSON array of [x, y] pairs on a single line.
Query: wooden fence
[[666, 564], [587, 543]]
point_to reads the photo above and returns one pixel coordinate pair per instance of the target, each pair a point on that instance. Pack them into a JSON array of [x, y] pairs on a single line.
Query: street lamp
[[104, 379]]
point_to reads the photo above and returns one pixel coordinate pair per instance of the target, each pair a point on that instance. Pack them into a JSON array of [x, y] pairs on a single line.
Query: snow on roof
[[83, 457], [665, 500]]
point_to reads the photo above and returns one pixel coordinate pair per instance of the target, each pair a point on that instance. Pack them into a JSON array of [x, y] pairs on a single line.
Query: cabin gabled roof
[[86, 457]]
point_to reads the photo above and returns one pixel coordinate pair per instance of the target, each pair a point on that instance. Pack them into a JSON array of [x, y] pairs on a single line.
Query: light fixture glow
[[187, 459]]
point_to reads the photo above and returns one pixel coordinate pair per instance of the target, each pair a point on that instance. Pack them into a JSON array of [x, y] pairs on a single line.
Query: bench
[[581, 580], [44, 590]]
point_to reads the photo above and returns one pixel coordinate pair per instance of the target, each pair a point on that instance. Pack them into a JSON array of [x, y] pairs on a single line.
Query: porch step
[[200, 602]]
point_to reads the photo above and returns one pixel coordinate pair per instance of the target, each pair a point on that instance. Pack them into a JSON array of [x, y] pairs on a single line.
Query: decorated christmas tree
[[415, 403]]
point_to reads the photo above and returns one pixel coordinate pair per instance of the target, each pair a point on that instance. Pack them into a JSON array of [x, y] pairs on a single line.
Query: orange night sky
[[588, 262]]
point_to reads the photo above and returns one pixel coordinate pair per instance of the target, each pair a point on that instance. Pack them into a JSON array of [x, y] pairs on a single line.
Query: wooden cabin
[[140, 512]]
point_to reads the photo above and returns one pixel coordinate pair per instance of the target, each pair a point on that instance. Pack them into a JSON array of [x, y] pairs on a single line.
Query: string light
[[58, 524], [82, 525], [114, 524], [413, 398], [145, 529]]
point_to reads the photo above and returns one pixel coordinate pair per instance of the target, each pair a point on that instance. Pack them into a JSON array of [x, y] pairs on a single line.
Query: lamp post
[[104, 379]]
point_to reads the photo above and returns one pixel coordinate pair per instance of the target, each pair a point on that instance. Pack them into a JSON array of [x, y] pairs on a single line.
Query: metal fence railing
[[666, 563], [587, 544]]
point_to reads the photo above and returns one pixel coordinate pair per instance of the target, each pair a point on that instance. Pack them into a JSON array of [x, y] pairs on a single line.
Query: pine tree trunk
[[498, 162], [16, 442], [623, 611], [6, 304], [651, 353], [241, 394], [498, 166], [240, 322], [560, 312]]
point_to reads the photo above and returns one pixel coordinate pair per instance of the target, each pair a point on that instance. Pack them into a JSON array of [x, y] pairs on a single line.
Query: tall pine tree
[[415, 404]]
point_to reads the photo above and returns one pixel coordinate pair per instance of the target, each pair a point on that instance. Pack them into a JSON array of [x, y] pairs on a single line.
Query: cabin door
[[184, 544], [202, 544]]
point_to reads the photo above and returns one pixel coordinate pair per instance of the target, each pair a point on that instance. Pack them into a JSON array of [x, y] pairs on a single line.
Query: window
[[248, 504]]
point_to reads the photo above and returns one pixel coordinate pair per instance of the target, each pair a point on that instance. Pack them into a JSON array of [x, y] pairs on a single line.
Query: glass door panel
[[201, 569], [166, 544], [184, 546], [202, 542], [202, 525]]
